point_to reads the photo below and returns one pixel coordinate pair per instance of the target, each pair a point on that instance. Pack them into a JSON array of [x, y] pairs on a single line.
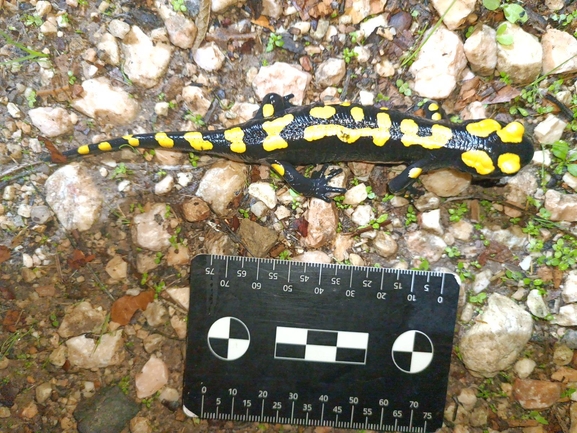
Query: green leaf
[[572, 169], [491, 4], [514, 12], [505, 39], [560, 149]]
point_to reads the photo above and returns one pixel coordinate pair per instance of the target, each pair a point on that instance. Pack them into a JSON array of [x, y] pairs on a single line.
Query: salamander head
[[507, 149]]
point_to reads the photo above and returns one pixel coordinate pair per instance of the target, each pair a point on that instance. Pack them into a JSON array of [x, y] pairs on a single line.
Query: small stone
[[569, 290], [426, 245], [438, 64], [92, 353], [330, 72], [156, 314], [264, 192], [118, 29], [363, 215], [524, 367], [431, 221], [145, 63], [195, 209], [13, 110], [40, 214], [150, 229], [51, 121], [549, 130], [454, 13], [323, 219], [385, 245], [29, 411], [102, 100], [468, 398], [536, 394], [356, 195], [282, 78], [179, 326], [536, 304], [110, 51], [565, 375], [43, 391], [446, 182], [209, 57], [153, 377], [559, 51], [258, 239], [196, 98], [181, 30], [43, 8], [140, 424], [562, 355], [313, 257], [521, 60], [80, 319], [164, 186], [570, 339], [481, 50], [108, 411], [181, 295], [482, 281], [567, 315], [221, 184], [495, 341], [563, 207], [117, 268]]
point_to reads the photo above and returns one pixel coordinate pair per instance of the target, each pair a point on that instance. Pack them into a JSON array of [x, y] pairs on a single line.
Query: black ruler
[[314, 344]]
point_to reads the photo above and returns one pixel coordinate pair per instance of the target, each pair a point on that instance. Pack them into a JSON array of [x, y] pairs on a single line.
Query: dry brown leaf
[[124, 308]]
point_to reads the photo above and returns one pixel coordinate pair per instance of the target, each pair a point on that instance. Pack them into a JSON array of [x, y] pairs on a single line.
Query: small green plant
[[193, 159], [31, 98], [124, 384], [31, 53], [32, 20], [370, 194], [121, 171], [158, 288], [478, 299], [513, 12], [502, 37], [349, 55], [537, 417], [71, 78], [457, 213], [274, 40], [381, 98], [403, 87], [158, 257], [194, 118], [452, 252], [178, 5], [379, 221], [339, 202], [411, 215], [83, 2], [424, 265], [567, 157], [244, 212], [54, 320], [285, 255]]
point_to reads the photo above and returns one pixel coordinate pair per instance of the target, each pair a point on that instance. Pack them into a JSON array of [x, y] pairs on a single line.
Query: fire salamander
[[282, 134]]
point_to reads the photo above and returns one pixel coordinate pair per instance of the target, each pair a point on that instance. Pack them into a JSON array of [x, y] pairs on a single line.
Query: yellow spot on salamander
[[345, 104], [83, 150], [323, 112], [273, 128], [236, 137], [512, 133], [358, 114], [383, 132], [440, 135], [415, 172], [134, 142], [163, 140], [196, 141], [436, 116], [483, 128], [267, 110], [509, 163], [278, 168], [433, 106], [479, 160], [104, 146]]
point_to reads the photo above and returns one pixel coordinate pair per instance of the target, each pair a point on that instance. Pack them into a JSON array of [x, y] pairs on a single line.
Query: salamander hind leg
[[273, 105], [408, 176], [434, 111], [316, 186]]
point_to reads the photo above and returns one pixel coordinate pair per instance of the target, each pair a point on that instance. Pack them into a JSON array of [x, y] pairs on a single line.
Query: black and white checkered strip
[[228, 338], [320, 345]]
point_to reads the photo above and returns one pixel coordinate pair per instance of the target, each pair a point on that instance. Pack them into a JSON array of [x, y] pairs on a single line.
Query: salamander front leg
[[315, 186], [408, 176]]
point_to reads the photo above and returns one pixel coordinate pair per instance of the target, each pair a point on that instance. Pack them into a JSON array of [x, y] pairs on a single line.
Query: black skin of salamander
[[331, 149]]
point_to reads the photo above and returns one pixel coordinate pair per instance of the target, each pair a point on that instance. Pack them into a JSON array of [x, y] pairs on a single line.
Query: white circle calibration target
[[228, 338], [412, 351]]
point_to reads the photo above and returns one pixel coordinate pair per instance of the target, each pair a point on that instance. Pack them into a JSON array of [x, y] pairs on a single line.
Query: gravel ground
[[516, 261]]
